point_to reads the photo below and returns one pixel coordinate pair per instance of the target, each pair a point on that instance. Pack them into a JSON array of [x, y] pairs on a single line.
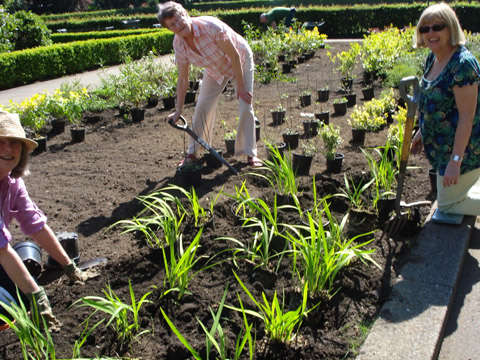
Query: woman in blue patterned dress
[[449, 111]]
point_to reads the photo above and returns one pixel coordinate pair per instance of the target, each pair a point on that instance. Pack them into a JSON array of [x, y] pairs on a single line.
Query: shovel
[[395, 224], [190, 132]]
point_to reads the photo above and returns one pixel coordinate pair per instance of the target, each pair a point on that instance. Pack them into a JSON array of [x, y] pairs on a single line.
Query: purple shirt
[[16, 204]]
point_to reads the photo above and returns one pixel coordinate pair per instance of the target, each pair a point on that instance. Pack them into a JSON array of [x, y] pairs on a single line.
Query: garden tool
[[395, 224], [190, 132]]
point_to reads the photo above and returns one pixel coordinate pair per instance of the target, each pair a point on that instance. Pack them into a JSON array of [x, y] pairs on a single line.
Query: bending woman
[[207, 42]]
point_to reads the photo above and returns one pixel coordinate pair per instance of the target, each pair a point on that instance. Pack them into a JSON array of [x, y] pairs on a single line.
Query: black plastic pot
[[301, 164], [323, 117], [58, 126], [310, 128], [305, 100], [152, 101], [191, 174], [351, 99], [138, 114], [42, 145], [31, 255], [291, 140], [78, 133], [368, 93], [257, 130], [211, 161], [286, 68], [279, 146], [347, 83], [358, 136], [278, 117], [190, 97], [335, 165], [69, 242], [169, 102], [384, 207], [230, 145], [340, 108], [323, 95]]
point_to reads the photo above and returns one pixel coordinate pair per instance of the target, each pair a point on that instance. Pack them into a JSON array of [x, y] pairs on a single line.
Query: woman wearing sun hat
[[449, 111], [15, 203]]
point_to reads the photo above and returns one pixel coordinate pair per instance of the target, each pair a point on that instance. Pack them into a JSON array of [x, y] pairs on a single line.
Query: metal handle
[[179, 127], [410, 100]]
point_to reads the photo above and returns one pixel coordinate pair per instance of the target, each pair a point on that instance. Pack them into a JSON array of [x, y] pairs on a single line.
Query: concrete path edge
[[411, 323]]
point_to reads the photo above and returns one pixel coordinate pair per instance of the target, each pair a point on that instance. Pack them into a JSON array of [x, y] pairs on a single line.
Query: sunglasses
[[437, 27]]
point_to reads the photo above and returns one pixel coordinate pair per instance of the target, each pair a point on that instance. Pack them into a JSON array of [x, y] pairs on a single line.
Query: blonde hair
[[168, 10], [444, 13]]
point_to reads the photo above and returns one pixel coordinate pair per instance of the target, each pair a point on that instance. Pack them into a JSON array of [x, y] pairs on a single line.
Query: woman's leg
[[204, 117], [462, 198], [246, 142]]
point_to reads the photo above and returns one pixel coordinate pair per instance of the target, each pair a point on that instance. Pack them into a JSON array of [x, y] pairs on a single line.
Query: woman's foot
[[190, 158], [254, 161]]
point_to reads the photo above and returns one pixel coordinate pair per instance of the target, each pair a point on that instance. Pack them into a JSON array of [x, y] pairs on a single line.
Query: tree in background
[[22, 30]]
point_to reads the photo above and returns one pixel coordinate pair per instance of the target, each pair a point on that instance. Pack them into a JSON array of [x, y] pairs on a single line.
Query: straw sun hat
[[10, 128]]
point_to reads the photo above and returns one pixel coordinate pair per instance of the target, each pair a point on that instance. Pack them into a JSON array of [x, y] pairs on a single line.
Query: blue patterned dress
[[439, 113]]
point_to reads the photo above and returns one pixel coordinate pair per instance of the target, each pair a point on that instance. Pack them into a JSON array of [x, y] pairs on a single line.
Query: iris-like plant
[[319, 257], [280, 325], [123, 316], [281, 175], [35, 340], [219, 342], [384, 172], [355, 192]]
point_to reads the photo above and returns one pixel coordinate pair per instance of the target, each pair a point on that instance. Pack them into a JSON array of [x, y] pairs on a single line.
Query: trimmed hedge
[[82, 36], [340, 21], [24, 67]]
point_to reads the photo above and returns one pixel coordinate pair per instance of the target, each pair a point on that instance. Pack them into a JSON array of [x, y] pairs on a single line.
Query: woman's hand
[[244, 94], [452, 172], [174, 116], [417, 144]]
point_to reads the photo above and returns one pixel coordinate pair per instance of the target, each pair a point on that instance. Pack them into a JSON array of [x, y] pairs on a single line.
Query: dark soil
[[86, 187]]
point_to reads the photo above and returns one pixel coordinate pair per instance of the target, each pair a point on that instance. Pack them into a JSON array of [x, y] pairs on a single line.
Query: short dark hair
[[168, 10]]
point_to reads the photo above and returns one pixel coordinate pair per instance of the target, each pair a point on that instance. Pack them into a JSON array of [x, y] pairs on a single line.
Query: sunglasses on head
[[437, 27]]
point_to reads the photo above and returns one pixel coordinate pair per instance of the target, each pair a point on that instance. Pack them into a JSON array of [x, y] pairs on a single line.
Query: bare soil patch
[[86, 187]]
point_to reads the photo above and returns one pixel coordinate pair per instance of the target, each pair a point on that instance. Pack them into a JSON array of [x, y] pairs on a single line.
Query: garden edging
[[412, 321]]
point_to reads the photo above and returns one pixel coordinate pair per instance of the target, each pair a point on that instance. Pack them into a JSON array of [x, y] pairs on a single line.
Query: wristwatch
[[456, 158]]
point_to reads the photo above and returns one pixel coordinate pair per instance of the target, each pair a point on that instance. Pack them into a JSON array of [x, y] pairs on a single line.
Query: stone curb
[[411, 323]]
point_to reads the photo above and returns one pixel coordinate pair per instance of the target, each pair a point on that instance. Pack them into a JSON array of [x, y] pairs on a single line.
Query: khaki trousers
[[462, 198], [204, 117]]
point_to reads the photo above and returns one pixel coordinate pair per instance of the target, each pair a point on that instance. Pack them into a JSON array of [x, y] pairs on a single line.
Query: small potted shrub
[[331, 140], [322, 115], [340, 105], [302, 161], [305, 98], [323, 94], [229, 138]]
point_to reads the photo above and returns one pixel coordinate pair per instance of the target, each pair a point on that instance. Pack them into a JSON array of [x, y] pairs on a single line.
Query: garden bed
[[86, 187]]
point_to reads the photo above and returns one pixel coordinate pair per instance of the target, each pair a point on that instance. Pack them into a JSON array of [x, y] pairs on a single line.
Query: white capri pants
[[204, 117], [462, 198]]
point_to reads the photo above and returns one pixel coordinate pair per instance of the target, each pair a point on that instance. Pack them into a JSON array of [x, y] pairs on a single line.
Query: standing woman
[[449, 111], [207, 42]]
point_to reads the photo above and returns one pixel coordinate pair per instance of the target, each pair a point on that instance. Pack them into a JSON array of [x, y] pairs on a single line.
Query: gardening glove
[[44, 310], [75, 275]]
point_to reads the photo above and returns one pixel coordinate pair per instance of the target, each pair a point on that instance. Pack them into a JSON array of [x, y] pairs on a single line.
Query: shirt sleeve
[[24, 210], [180, 54], [467, 71]]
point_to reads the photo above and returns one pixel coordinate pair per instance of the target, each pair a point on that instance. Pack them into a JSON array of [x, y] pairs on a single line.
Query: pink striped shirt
[[207, 31]]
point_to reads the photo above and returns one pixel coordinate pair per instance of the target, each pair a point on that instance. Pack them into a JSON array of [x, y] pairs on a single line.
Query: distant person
[[207, 42], [449, 111], [277, 15], [15, 203]]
